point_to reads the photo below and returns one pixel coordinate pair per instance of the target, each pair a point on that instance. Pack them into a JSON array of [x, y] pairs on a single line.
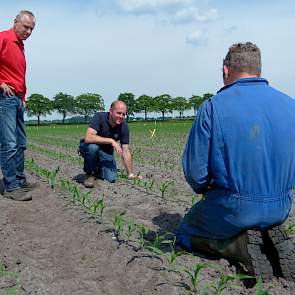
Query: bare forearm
[[92, 138], [128, 162]]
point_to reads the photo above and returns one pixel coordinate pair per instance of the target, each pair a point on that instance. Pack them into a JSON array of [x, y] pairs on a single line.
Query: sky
[[150, 47]]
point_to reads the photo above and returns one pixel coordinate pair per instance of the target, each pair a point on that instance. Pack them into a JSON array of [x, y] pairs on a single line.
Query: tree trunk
[[63, 117], [145, 114], [163, 115], [38, 120]]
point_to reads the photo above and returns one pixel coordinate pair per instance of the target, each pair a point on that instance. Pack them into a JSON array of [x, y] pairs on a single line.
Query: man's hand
[[7, 89], [24, 105], [133, 176], [117, 147]]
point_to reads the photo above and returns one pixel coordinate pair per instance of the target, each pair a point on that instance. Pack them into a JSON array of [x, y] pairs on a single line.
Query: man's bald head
[[118, 112]]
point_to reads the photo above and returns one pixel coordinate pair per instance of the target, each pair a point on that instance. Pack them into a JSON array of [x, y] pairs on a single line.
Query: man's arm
[[196, 156], [7, 89], [92, 137], [127, 158]]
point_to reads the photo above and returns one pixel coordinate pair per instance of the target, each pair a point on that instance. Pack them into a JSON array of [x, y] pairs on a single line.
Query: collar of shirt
[[11, 35], [245, 81]]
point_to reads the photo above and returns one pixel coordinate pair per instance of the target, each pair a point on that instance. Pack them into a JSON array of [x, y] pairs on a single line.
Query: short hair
[[25, 12], [244, 57], [114, 103]]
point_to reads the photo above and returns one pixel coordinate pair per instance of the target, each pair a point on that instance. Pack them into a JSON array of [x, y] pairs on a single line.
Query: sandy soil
[[54, 247]]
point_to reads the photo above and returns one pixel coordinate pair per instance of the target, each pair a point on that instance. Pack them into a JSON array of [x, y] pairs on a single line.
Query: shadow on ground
[[167, 222], [79, 178]]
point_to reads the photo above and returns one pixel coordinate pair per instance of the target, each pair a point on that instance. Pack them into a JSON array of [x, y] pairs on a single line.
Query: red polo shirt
[[12, 62]]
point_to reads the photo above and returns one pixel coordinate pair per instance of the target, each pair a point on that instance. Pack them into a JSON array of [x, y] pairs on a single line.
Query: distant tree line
[[89, 103]]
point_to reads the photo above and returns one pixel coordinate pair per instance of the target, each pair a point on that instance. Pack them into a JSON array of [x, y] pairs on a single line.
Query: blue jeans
[[97, 162], [222, 215], [12, 141]]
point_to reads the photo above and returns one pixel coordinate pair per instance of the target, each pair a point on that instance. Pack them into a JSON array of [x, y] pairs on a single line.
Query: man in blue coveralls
[[240, 155]]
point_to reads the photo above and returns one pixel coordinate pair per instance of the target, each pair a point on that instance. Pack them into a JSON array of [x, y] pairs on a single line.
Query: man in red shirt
[[12, 105]]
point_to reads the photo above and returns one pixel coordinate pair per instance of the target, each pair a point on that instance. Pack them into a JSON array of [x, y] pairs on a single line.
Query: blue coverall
[[241, 155]]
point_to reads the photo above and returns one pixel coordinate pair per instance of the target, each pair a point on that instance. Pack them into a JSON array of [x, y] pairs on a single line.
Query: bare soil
[[55, 247]]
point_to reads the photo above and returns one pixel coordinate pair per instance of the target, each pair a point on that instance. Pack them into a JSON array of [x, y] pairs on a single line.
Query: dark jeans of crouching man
[[97, 162], [12, 141]]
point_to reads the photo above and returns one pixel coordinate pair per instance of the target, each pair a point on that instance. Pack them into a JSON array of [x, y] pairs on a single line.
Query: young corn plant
[[148, 185], [225, 281], [76, 194], [194, 276], [118, 223], [155, 245], [123, 175], [52, 177], [85, 198], [4, 273], [101, 206], [64, 185], [72, 192], [259, 288], [10, 291], [172, 256], [130, 229], [97, 206], [171, 260], [49, 175], [142, 230], [290, 228], [163, 187]]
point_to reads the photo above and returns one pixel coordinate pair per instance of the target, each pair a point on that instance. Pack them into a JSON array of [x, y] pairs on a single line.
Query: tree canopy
[[88, 104], [144, 103], [129, 99], [64, 104], [38, 105], [162, 104], [180, 104]]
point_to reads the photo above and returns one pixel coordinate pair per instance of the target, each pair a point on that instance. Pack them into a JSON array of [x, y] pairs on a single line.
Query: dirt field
[[55, 245]]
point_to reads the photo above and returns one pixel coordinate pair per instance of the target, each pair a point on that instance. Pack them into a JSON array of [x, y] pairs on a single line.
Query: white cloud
[[170, 11], [230, 29], [196, 38], [192, 14], [150, 6], [72, 50]]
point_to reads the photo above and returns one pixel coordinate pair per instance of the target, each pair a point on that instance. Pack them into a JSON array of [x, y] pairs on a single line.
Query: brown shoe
[[89, 181], [30, 185], [21, 194]]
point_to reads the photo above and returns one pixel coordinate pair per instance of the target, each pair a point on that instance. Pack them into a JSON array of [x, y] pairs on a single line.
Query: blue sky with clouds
[[150, 46]]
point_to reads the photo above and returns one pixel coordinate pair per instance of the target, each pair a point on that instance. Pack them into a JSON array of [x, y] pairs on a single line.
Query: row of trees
[[161, 104], [88, 103], [85, 104]]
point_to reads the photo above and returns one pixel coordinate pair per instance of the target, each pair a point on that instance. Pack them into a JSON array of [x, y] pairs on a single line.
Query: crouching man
[[241, 155], [100, 141]]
